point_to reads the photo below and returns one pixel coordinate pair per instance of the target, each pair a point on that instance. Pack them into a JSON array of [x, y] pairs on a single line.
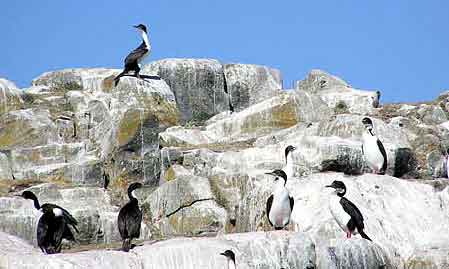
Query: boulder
[[27, 128], [276, 113], [185, 206], [338, 94], [5, 168], [10, 98], [198, 85], [249, 84]]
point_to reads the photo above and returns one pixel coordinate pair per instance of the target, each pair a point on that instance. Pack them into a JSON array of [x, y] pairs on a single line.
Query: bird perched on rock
[[280, 203], [230, 257], [373, 149], [53, 225], [133, 59], [345, 213], [130, 218], [288, 168]]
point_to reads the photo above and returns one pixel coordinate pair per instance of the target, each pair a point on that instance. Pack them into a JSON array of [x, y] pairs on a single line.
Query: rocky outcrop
[[198, 85], [337, 94], [249, 84], [10, 98], [288, 250]]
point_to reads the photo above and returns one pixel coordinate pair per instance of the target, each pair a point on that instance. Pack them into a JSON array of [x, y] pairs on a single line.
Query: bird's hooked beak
[[136, 26]]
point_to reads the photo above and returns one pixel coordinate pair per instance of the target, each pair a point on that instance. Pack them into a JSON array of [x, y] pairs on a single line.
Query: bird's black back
[[129, 220], [353, 211], [136, 54], [269, 203]]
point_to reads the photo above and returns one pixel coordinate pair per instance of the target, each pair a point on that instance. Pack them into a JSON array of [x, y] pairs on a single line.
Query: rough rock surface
[[250, 84], [198, 85], [288, 250], [338, 94], [10, 98]]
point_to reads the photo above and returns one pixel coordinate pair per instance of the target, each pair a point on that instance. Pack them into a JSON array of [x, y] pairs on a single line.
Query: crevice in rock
[[188, 205]]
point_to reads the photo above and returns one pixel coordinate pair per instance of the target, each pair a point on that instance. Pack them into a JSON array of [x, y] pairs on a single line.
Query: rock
[[27, 128], [10, 98], [5, 168], [279, 112], [429, 258], [90, 206], [337, 94], [290, 250], [250, 84], [355, 253], [198, 85], [76, 79], [185, 206]]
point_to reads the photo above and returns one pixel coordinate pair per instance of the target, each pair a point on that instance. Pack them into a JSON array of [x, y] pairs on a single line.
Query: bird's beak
[[136, 26], [270, 173], [329, 186], [223, 254]]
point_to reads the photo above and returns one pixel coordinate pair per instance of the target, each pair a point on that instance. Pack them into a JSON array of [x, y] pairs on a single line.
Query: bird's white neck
[[231, 264], [289, 165], [279, 186], [145, 39]]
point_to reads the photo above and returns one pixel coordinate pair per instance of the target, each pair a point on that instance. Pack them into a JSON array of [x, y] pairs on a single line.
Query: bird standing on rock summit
[[280, 203], [373, 150], [345, 213], [53, 225], [130, 218], [133, 59]]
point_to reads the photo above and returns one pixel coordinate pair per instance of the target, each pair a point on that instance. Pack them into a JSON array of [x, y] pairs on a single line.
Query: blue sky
[[400, 47]]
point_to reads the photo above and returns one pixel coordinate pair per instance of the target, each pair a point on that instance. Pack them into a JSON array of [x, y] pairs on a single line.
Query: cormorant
[[280, 203], [347, 215], [133, 59], [130, 218], [53, 225], [373, 149]]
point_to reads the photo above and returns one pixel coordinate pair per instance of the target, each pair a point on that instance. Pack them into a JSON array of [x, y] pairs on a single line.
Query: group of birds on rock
[[55, 222]]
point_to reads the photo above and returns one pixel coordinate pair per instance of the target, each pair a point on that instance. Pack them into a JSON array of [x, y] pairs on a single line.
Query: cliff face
[[203, 166]]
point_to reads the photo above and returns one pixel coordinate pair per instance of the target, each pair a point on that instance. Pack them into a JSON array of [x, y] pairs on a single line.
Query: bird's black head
[[339, 186], [229, 254], [368, 123], [132, 187], [288, 150], [141, 27], [31, 196], [278, 174]]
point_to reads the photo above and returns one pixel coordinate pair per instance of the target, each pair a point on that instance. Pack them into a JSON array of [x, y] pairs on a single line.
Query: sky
[[400, 47]]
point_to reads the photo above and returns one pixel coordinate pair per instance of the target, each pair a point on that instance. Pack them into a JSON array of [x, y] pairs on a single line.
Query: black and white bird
[[230, 257], [280, 203], [136, 56], [288, 168], [345, 213], [130, 218], [373, 149], [53, 225]]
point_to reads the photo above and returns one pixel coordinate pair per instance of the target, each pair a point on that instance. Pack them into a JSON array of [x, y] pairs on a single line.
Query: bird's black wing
[[269, 203], [69, 219], [129, 220], [384, 154], [136, 54], [292, 202], [363, 153], [42, 231], [353, 211]]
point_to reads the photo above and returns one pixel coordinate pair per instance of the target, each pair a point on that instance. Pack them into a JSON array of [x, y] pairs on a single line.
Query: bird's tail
[[363, 234], [126, 246]]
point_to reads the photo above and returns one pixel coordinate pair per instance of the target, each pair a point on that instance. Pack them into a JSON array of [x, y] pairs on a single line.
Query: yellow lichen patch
[[169, 174], [108, 83]]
